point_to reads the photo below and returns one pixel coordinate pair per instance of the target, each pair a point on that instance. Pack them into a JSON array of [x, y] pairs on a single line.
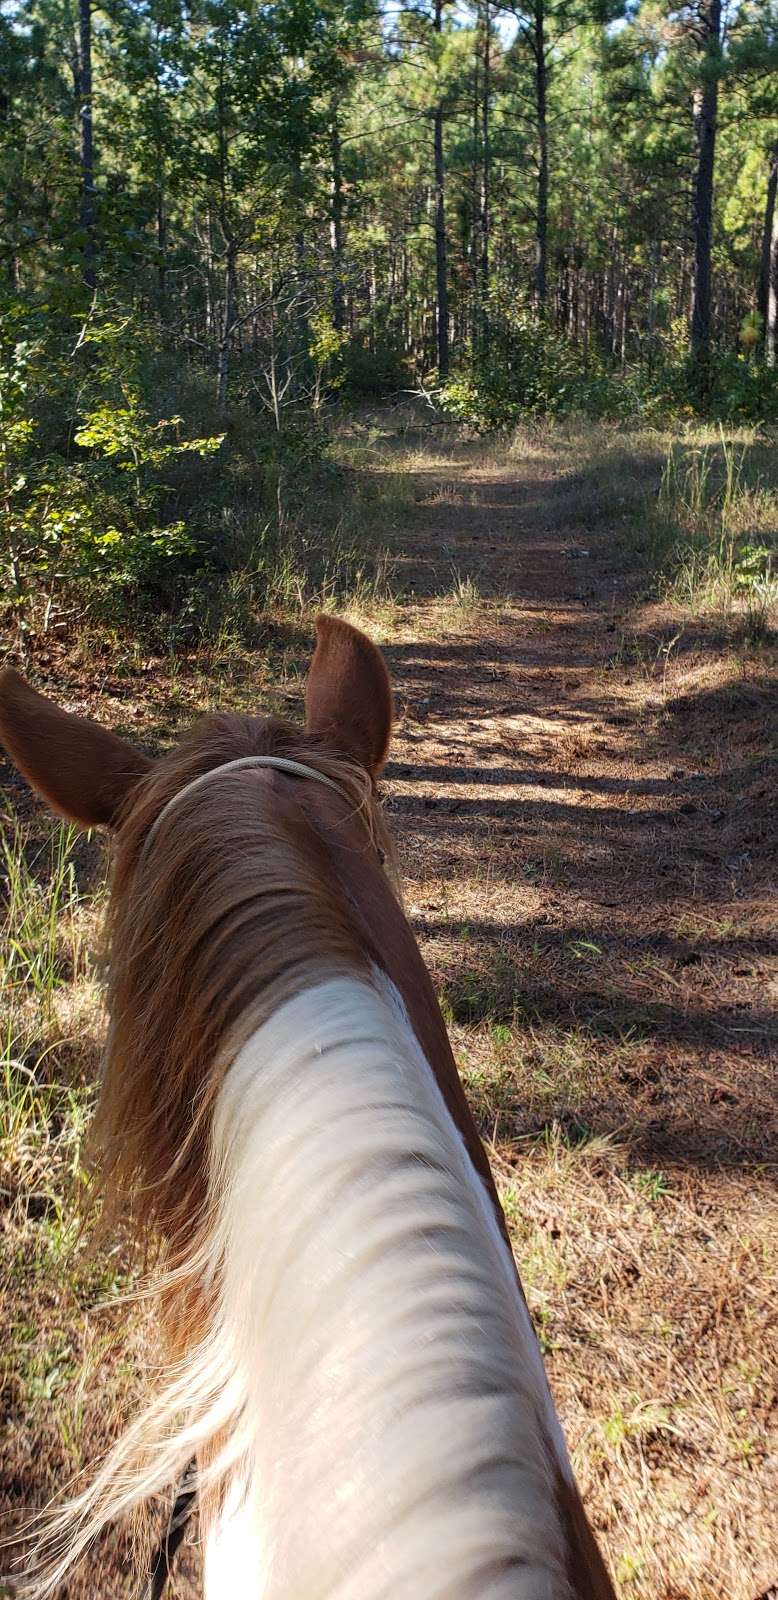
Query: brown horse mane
[[233, 910]]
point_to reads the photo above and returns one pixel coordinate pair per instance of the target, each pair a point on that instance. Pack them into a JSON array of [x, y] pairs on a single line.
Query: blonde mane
[[233, 910]]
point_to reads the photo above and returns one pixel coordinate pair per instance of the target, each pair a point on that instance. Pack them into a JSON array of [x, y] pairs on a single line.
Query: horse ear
[[348, 697], [82, 771]]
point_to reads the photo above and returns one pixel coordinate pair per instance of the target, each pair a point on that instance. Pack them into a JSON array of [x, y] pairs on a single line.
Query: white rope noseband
[[298, 769]]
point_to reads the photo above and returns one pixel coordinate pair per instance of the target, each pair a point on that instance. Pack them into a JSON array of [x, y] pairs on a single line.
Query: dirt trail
[[583, 789], [554, 791]]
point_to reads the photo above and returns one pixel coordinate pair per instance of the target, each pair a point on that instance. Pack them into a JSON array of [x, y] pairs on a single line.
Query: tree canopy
[[534, 206]]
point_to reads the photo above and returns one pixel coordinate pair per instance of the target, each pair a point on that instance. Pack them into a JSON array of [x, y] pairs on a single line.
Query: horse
[[350, 1356]]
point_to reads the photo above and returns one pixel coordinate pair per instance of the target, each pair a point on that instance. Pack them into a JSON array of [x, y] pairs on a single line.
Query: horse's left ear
[[348, 697], [81, 770]]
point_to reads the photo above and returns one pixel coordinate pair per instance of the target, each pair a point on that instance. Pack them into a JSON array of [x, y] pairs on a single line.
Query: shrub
[[532, 370], [372, 374], [92, 516], [108, 505]]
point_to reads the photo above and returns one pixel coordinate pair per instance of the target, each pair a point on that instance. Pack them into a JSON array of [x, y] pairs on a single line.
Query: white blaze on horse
[[351, 1357]]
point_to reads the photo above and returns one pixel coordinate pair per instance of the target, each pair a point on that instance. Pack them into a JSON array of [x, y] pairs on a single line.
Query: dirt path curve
[[583, 813]]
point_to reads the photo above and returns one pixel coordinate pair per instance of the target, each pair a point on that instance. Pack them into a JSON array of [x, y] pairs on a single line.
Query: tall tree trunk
[[225, 332], [656, 260], [564, 293], [485, 177], [541, 111], [405, 302], [88, 207], [161, 251], [771, 321], [763, 295], [162, 218], [441, 274], [336, 220], [471, 222], [705, 113], [210, 319]]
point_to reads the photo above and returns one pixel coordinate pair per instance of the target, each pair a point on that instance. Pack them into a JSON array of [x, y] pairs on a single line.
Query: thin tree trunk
[[541, 108], [406, 302], [771, 337], [209, 279], [768, 229], [485, 178], [705, 114], [88, 207], [161, 251], [441, 274], [225, 336], [471, 223], [656, 258], [336, 221], [162, 220]]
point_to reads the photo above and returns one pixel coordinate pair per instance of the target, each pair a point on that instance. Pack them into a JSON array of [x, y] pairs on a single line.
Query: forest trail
[[555, 779], [581, 788]]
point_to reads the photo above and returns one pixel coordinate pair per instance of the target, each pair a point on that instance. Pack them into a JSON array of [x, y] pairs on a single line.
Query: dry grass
[[651, 1294], [581, 791]]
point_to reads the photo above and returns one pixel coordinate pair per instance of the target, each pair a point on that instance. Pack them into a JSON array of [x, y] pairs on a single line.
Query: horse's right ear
[[81, 770], [348, 696]]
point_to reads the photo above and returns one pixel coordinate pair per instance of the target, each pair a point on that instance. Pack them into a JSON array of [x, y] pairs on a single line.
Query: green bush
[[741, 389], [92, 515], [373, 374], [531, 370], [108, 504]]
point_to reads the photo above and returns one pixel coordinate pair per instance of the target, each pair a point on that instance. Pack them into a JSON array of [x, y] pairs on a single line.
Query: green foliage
[[373, 373], [126, 435], [327, 344], [741, 389], [90, 515], [535, 371], [738, 387]]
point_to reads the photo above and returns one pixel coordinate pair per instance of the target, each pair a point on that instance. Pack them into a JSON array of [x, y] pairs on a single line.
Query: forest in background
[[217, 219]]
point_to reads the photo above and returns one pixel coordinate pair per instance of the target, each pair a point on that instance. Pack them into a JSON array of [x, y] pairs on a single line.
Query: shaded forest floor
[[582, 788]]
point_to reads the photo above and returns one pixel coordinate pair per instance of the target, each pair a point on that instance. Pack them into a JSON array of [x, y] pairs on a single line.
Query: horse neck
[[393, 1402]]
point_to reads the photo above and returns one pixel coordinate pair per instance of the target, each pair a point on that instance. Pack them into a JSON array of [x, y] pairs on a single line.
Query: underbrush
[[129, 498], [51, 1014], [51, 1274], [531, 369], [715, 530]]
